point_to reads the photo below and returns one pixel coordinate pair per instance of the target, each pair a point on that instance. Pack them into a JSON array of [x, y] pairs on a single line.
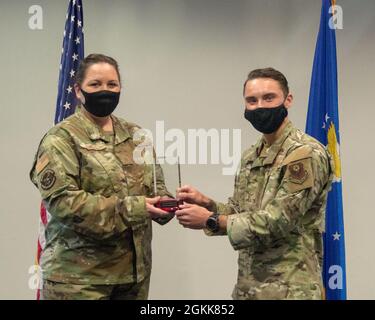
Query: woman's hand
[[152, 210]]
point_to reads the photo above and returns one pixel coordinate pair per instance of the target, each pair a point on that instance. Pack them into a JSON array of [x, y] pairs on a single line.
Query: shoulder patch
[[299, 175], [48, 179], [297, 172], [42, 163]]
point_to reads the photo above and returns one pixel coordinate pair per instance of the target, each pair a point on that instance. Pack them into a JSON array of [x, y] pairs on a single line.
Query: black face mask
[[266, 120], [101, 103]]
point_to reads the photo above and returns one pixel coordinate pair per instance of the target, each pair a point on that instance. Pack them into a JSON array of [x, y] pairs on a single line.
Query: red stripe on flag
[[43, 213], [43, 219]]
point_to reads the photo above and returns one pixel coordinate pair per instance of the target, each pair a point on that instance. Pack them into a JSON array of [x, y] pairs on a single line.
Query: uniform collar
[[264, 158], [121, 131], [275, 148], [95, 133]]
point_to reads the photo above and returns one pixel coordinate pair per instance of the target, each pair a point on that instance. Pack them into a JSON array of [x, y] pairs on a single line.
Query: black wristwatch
[[212, 223]]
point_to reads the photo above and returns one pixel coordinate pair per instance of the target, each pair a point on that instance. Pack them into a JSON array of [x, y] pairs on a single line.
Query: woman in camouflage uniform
[[100, 202]]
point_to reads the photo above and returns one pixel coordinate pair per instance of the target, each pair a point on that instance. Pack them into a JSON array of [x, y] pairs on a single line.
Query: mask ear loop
[[285, 100], [83, 96], [114, 132]]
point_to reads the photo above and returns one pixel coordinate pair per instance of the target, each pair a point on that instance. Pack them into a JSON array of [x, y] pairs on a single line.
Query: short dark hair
[[93, 59], [270, 73]]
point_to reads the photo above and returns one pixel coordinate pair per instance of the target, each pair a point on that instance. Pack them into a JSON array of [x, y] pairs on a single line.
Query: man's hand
[[152, 210], [192, 216], [191, 195]]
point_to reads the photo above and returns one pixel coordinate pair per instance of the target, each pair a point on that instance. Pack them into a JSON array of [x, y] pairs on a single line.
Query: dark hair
[[270, 73], [93, 59]]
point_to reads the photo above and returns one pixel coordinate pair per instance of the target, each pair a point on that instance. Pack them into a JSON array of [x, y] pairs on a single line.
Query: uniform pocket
[[134, 173], [100, 171]]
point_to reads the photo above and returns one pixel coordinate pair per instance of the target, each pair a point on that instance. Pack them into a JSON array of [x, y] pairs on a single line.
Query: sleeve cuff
[[212, 206], [135, 209], [238, 231], [165, 219]]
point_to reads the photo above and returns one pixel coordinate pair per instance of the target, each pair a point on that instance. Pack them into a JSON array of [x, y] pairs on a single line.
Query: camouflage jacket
[[98, 229], [276, 217]]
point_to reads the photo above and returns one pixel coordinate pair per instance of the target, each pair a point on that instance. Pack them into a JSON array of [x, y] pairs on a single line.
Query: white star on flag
[[67, 105], [79, 23], [77, 40], [72, 73], [69, 89], [72, 18], [336, 236], [75, 56], [327, 117]]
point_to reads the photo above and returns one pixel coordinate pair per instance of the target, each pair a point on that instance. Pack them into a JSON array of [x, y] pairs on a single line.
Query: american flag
[[71, 54]]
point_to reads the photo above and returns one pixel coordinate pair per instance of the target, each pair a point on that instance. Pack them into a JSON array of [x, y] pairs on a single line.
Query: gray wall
[[184, 62]]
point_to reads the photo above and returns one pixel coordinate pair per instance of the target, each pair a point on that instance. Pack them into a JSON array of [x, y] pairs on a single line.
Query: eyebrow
[[270, 94], [98, 80]]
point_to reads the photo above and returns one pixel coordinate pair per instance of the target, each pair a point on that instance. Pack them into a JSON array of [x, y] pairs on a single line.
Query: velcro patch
[[42, 163], [48, 179], [93, 147], [298, 154], [297, 173]]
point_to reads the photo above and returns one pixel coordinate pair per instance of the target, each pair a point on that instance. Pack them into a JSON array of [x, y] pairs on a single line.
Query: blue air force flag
[[323, 124]]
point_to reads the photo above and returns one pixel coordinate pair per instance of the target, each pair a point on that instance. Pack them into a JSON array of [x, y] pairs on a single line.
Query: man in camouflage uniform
[[275, 217], [98, 235]]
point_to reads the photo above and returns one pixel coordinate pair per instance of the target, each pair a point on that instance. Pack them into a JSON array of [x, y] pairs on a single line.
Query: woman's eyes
[[113, 85]]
